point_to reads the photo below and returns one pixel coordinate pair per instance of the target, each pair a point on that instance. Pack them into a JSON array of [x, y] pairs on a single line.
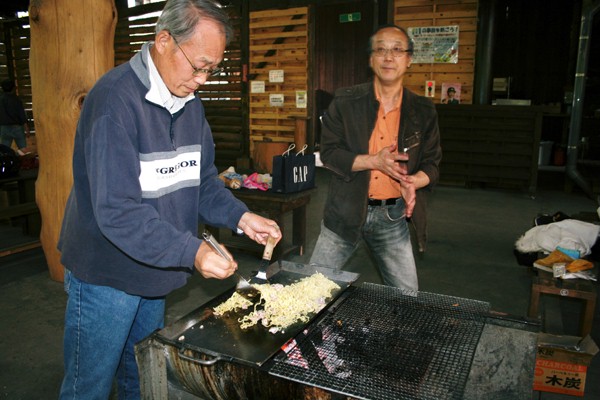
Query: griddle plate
[[379, 343], [221, 338]]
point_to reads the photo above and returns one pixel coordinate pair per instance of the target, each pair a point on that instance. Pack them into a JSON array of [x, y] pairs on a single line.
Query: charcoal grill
[[370, 342], [380, 343]]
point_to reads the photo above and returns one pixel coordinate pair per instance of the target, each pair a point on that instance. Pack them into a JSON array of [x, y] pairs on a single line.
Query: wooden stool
[[574, 288]]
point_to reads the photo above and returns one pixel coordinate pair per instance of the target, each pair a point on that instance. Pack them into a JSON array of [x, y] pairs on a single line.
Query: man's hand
[[395, 166], [387, 160], [409, 193], [210, 264], [259, 228], [409, 184]]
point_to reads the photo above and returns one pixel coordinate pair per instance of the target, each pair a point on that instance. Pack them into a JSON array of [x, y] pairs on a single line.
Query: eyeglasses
[[199, 71], [396, 52]]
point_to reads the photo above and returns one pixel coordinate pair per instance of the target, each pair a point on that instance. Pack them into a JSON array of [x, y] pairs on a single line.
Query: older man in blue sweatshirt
[[144, 178]]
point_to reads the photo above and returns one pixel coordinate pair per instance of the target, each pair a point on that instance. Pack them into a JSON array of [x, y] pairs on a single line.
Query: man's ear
[[161, 41]]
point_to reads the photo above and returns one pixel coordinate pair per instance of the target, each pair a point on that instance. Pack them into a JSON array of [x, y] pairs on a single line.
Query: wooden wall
[[422, 13], [134, 27], [278, 41], [539, 59], [495, 146], [223, 96]]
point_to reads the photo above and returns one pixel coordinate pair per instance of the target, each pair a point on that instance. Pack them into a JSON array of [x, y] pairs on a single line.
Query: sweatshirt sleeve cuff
[[188, 258]]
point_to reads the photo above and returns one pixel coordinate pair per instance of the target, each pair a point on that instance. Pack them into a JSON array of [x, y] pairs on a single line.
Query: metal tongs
[[243, 287]]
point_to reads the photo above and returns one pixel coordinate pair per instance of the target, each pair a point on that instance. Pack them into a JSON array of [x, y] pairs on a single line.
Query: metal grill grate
[[382, 344]]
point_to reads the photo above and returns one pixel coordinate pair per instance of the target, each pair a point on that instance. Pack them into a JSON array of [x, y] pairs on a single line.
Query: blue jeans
[[387, 236], [102, 325], [8, 133]]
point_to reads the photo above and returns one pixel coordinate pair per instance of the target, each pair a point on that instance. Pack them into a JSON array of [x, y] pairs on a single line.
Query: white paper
[[276, 76], [276, 99], [257, 86], [301, 99]]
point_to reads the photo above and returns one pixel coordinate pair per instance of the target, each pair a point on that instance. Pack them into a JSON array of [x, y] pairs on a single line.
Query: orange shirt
[[384, 134]]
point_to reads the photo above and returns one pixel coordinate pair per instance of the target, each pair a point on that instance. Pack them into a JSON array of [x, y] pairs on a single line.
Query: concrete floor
[[470, 254]]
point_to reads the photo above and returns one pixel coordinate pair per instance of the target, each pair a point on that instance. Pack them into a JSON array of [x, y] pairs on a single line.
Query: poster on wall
[[435, 44], [257, 86], [301, 100], [276, 100], [450, 93], [276, 76]]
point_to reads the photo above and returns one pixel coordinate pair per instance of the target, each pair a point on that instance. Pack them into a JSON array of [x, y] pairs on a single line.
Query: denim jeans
[[102, 325], [387, 236], [8, 133]]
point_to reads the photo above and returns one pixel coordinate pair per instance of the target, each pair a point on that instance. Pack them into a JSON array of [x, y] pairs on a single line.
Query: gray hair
[[180, 17]]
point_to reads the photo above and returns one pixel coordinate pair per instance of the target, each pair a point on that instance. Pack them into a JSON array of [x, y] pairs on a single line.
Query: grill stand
[[165, 376], [502, 368], [498, 364]]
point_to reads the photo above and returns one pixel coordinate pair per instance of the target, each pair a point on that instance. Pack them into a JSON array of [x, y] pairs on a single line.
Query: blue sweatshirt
[[143, 181]]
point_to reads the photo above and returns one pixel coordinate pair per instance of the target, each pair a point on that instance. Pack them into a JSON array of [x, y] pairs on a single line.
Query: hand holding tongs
[[243, 287]]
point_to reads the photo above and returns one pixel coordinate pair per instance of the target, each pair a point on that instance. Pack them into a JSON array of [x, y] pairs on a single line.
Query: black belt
[[386, 202]]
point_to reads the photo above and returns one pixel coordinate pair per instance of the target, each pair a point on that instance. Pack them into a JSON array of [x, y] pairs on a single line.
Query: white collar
[[160, 94]]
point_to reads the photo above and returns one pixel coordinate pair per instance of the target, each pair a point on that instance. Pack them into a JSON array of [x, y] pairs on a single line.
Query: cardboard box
[[561, 363]]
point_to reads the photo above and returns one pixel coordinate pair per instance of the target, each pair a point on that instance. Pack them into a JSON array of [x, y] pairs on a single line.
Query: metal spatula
[[243, 287], [261, 275]]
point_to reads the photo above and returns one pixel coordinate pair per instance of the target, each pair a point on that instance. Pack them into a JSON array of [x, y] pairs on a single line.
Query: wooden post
[[71, 47], [300, 136]]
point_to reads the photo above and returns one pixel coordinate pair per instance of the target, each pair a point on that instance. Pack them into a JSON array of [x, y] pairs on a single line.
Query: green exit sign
[[351, 17]]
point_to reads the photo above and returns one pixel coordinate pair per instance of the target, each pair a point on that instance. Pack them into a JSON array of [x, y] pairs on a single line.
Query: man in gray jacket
[[382, 143]]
